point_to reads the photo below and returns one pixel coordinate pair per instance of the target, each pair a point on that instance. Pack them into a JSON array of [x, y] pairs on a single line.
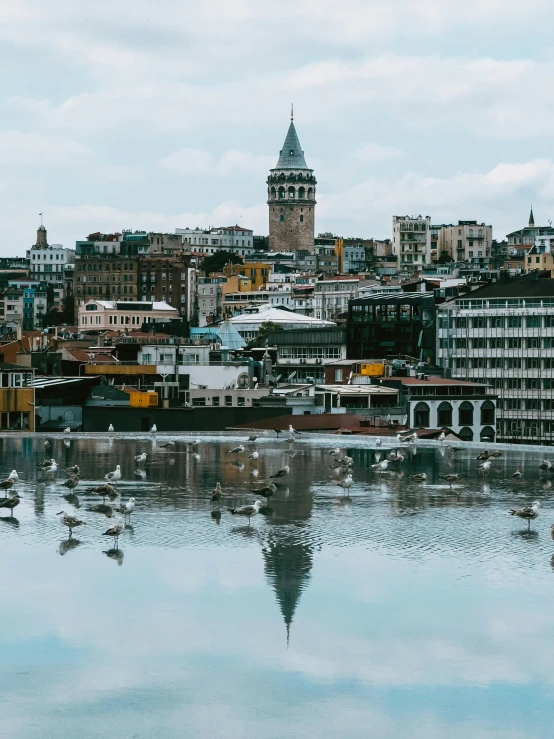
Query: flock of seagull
[[341, 463]]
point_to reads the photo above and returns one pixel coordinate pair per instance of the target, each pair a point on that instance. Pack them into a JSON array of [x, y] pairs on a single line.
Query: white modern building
[[248, 324], [411, 241], [47, 262], [503, 335], [104, 315], [235, 239]]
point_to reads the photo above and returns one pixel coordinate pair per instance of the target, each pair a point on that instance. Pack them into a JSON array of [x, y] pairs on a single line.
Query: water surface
[[399, 610]]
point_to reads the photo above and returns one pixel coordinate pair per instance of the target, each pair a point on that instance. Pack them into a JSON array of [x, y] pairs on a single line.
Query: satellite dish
[[243, 381]]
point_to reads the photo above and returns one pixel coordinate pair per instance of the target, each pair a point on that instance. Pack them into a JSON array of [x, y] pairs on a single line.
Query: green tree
[[55, 317], [444, 257], [266, 328], [216, 262]]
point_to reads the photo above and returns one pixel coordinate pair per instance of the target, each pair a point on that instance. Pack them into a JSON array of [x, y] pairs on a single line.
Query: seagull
[[237, 450], [196, 457], [72, 482], [113, 476], [128, 508], [484, 468], [347, 482], [442, 436], [217, 493], [141, 474], [141, 457], [67, 430], [291, 430], [497, 453], [247, 510], [378, 442], [105, 490], [277, 431], [267, 491], [7, 484], [527, 512], [334, 452], [101, 508], [483, 455], [115, 530], [393, 456], [252, 438], [73, 470], [399, 457], [47, 463], [46, 444], [153, 429], [13, 476], [254, 455], [419, 477], [110, 428], [193, 443], [380, 466], [545, 465], [10, 503], [517, 475], [399, 438], [283, 472], [167, 445], [72, 522], [450, 478], [52, 468]]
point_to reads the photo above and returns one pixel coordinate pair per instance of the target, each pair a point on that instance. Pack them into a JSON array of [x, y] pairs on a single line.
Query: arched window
[[301, 193], [487, 433], [310, 193], [282, 218], [421, 415], [281, 192], [291, 193], [487, 412], [300, 176], [273, 192], [444, 412], [465, 414], [466, 434]]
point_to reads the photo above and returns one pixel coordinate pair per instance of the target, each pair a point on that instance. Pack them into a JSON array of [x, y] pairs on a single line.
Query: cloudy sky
[[156, 114]]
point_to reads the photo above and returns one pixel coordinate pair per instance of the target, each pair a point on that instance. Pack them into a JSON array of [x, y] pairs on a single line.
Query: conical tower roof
[[291, 155], [531, 218]]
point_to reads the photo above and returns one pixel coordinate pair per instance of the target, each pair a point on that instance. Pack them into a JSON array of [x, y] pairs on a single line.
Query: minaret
[[531, 218], [42, 241], [291, 198]]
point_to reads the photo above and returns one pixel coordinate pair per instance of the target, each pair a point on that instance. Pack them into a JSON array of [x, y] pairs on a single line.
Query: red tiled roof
[[82, 355]]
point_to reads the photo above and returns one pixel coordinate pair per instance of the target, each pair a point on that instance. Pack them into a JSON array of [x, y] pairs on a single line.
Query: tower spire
[[531, 217], [292, 111]]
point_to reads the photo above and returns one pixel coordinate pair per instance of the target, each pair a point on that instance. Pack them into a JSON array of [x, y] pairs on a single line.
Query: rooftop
[[522, 287], [291, 155], [434, 381]]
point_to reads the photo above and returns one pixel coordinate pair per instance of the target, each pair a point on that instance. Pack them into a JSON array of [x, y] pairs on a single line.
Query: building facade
[[468, 241], [118, 315], [235, 239], [503, 334], [291, 190], [332, 295], [411, 241]]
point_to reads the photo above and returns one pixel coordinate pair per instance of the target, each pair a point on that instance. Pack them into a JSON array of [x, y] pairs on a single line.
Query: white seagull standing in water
[[110, 428], [247, 510], [529, 513], [114, 476], [291, 430], [254, 455], [141, 457], [545, 465], [67, 430], [72, 522], [128, 508], [380, 466], [484, 468], [237, 450], [347, 482], [419, 477], [13, 476], [518, 474], [334, 452], [153, 429]]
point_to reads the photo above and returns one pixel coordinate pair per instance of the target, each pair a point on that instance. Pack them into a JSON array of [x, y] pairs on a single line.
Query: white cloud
[[195, 161], [34, 149], [376, 152]]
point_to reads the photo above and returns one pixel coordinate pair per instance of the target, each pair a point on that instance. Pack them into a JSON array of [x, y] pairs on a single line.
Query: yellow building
[[538, 261], [256, 272], [17, 398]]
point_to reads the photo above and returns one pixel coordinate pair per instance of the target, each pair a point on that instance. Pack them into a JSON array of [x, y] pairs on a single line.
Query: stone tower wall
[[286, 231]]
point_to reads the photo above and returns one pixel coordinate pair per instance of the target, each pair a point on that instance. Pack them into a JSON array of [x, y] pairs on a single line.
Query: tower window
[[282, 218], [291, 193], [281, 192], [301, 219], [292, 152]]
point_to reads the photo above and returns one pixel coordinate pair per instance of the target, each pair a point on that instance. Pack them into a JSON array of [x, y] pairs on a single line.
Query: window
[[487, 434], [496, 363], [445, 414], [533, 321], [514, 343], [199, 401], [282, 218], [496, 343], [228, 400], [338, 375], [301, 219], [514, 383], [241, 401], [465, 414], [487, 412], [478, 322], [514, 363], [215, 400], [533, 343], [466, 434], [548, 384], [513, 404], [479, 343], [514, 321], [421, 414], [461, 322], [532, 363], [532, 404]]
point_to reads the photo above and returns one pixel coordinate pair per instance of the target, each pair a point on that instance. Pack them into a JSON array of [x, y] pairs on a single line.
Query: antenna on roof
[[292, 111]]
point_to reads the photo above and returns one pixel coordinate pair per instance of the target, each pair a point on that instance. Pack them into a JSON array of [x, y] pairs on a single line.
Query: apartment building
[[103, 315], [520, 241], [235, 239], [209, 299], [468, 241], [332, 295], [411, 241], [503, 334]]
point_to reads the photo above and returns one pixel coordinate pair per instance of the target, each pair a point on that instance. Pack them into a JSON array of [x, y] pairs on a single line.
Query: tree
[[216, 262], [444, 257], [266, 328], [55, 317]]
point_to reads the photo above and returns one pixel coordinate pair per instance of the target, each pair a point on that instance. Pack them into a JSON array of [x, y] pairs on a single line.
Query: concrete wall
[[167, 420]]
